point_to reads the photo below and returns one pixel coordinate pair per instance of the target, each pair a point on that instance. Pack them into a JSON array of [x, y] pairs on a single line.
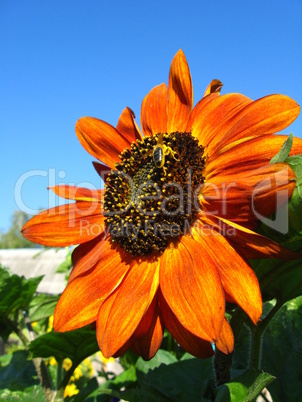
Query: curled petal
[[237, 278], [198, 347], [226, 341], [213, 87], [65, 225], [154, 111], [121, 313], [148, 344], [101, 139], [191, 286], [127, 126], [180, 94]]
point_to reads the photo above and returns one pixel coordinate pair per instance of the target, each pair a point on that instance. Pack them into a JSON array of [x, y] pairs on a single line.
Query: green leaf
[[279, 279], [246, 387], [284, 151], [295, 204], [184, 380], [17, 372], [30, 394], [77, 345], [16, 292], [42, 306], [282, 352], [126, 379]]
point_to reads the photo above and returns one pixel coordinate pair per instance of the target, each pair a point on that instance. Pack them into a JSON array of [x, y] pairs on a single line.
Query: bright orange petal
[[250, 244], [243, 197], [213, 87], [66, 224], [77, 193], [191, 343], [101, 139], [237, 278], [180, 94], [267, 115], [191, 286], [248, 155], [226, 341], [117, 320], [81, 300], [212, 117], [154, 111], [149, 343], [127, 126], [86, 255]]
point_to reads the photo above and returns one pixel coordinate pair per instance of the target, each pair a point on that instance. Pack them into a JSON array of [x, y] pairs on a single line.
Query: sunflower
[[166, 243]]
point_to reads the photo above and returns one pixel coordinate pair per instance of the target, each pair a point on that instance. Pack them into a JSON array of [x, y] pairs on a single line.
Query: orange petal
[[101, 139], [86, 255], [191, 343], [180, 94], [154, 111], [249, 154], [191, 286], [214, 86], [238, 279], [212, 117], [118, 319], [102, 170], [266, 115], [81, 300], [66, 224], [148, 344], [250, 244], [226, 341], [127, 126], [77, 193], [243, 197]]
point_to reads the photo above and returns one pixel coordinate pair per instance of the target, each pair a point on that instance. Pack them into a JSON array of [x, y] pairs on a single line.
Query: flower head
[[166, 243]]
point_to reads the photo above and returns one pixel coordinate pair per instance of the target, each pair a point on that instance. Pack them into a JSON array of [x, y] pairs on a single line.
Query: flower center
[[152, 196]]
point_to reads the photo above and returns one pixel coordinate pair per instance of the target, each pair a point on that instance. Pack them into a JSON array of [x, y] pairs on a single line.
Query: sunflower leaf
[[284, 151], [183, 380], [282, 352], [246, 387], [17, 372], [77, 345], [16, 292], [42, 306]]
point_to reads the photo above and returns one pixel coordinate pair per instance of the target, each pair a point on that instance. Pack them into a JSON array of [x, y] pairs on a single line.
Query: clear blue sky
[[60, 60]]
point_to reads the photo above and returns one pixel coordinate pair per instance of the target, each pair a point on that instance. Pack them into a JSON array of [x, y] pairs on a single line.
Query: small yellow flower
[[67, 363], [70, 390], [50, 324], [51, 361]]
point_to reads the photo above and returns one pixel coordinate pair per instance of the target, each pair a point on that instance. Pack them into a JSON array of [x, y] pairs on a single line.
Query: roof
[[33, 262]]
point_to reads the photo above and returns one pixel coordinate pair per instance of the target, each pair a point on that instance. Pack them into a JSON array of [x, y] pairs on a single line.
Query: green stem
[[256, 337], [255, 348], [222, 362]]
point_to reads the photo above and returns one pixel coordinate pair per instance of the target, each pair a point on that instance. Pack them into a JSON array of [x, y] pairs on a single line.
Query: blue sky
[[61, 60]]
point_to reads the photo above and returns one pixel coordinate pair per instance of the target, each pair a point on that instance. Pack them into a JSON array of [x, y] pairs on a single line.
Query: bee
[[161, 150]]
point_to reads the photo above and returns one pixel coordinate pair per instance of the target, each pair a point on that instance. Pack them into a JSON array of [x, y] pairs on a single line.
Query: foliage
[[13, 237]]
